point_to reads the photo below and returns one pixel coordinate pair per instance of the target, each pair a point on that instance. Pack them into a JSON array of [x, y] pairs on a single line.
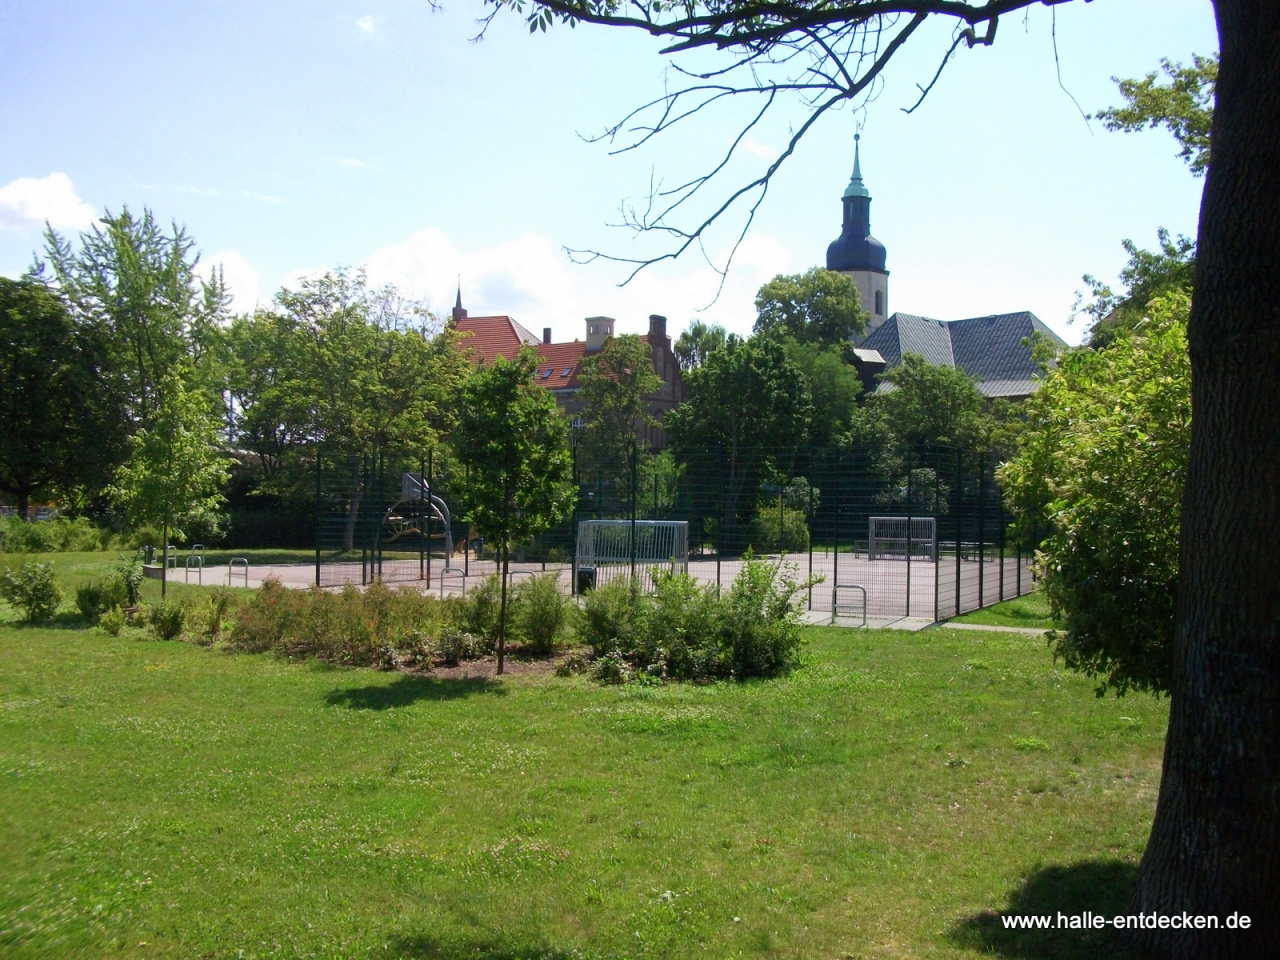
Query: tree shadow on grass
[[407, 690], [433, 948], [1091, 886]]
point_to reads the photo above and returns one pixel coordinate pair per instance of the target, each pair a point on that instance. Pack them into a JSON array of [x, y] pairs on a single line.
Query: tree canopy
[[818, 306], [1184, 106], [614, 387]]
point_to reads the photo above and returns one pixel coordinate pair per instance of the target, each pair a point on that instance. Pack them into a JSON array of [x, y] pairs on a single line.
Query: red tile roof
[[488, 338], [492, 337]]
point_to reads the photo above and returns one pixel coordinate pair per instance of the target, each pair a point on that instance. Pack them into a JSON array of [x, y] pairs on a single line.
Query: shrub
[[779, 531], [96, 597], [478, 614], [538, 612], [610, 617], [686, 632], [113, 621], [166, 619], [61, 534], [454, 645], [213, 615], [374, 627], [130, 576], [32, 589]]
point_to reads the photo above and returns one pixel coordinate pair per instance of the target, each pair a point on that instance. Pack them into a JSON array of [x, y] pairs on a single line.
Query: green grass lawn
[[1031, 610], [166, 800]]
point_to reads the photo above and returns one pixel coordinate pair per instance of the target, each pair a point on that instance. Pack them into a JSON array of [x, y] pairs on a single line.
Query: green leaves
[[1184, 105], [514, 441], [820, 306], [1102, 462]]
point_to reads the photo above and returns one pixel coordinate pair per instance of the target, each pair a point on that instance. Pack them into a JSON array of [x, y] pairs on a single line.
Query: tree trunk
[[353, 514], [164, 557], [502, 609], [24, 500], [1215, 842]]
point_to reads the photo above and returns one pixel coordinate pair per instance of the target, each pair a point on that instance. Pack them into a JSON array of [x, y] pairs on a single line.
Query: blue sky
[[295, 136]]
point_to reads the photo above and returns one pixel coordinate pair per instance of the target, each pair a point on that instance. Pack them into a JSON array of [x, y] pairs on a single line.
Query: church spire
[[856, 187], [458, 312]]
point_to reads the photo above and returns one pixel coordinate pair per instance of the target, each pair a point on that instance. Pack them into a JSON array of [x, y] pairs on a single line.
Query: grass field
[[165, 800], [1031, 610]]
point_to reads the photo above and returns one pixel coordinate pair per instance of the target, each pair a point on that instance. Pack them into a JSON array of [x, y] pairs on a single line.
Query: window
[[879, 302], [593, 328], [546, 373], [567, 371]]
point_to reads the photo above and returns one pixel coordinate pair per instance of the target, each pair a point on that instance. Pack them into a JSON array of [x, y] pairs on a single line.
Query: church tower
[[856, 253]]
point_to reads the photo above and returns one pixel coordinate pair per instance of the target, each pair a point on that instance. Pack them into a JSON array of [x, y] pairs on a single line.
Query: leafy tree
[[614, 386], [514, 440], [1215, 842], [347, 367], [58, 426], [746, 396], [1184, 105], [1102, 461], [175, 472], [820, 306], [933, 404], [1147, 275], [138, 285], [834, 387], [697, 343]]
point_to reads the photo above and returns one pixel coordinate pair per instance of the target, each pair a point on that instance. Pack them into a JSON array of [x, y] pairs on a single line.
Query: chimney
[[546, 334], [599, 329], [657, 328]]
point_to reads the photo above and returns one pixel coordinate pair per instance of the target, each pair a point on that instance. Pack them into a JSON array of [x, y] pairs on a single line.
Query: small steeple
[[856, 187], [458, 312]]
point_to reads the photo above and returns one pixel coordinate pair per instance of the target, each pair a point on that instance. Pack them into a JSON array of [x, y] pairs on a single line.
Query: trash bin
[[148, 554], [586, 579]]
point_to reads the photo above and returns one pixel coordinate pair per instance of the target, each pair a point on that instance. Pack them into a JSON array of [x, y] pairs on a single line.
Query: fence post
[[430, 478], [808, 522], [909, 531], [835, 535], [577, 497], [720, 512], [982, 528], [959, 454], [424, 518], [318, 469], [937, 560], [634, 491], [1001, 520]]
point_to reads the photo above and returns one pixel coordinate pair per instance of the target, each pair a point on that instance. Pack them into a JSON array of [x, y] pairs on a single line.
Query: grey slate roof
[[996, 349]]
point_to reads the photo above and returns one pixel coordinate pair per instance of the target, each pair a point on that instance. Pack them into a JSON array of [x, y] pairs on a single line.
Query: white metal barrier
[[846, 609]]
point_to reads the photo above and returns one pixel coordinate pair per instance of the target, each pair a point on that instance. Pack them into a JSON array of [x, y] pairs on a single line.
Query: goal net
[[897, 538], [610, 547]]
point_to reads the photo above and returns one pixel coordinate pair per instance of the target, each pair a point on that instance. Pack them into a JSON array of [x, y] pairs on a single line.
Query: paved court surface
[[897, 592]]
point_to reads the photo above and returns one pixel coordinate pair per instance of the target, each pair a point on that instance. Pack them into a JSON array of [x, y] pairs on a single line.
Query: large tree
[[1215, 843], [58, 423], [515, 443], [614, 387], [819, 306]]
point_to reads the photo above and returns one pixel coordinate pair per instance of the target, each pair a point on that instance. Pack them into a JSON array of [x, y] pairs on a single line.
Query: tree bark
[[1215, 842], [24, 500], [502, 609], [164, 557]]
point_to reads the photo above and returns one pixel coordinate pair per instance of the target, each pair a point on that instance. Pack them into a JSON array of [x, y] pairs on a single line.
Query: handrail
[[835, 596], [231, 569]]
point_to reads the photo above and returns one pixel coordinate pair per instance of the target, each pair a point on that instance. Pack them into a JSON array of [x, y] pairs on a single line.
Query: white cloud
[[28, 203], [242, 281], [366, 24], [264, 197], [759, 149], [358, 164], [531, 279]]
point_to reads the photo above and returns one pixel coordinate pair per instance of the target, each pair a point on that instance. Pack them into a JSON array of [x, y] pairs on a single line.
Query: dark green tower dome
[[855, 248]]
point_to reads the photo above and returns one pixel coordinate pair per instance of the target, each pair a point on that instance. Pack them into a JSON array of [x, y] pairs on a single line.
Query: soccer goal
[[608, 549], [889, 539]]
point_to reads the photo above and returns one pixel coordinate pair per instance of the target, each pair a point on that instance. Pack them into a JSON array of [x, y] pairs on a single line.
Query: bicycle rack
[[231, 569], [199, 568], [848, 609], [171, 557], [453, 572]]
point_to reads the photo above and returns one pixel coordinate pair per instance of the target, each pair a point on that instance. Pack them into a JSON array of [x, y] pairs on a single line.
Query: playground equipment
[[629, 547], [411, 515], [889, 539]]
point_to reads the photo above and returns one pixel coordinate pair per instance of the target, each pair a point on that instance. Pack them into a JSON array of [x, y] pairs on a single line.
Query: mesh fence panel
[[395, 518]]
